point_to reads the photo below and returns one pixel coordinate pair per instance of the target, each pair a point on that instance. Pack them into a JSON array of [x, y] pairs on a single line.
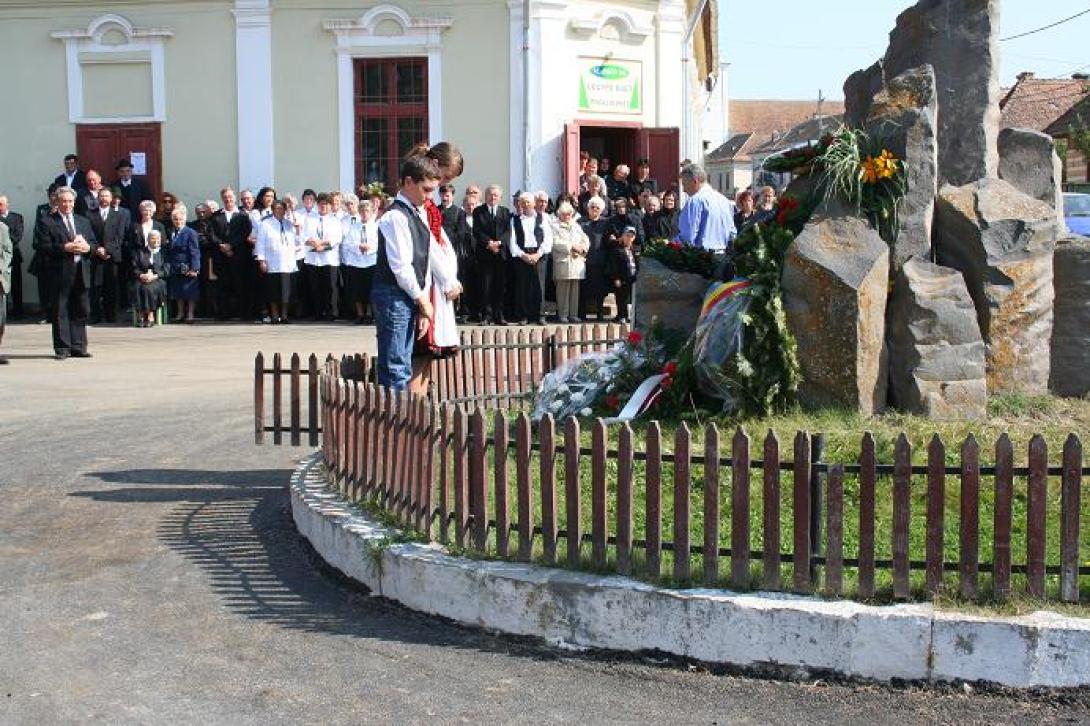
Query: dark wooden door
[[662, 147], [101, 146], [570, 155]]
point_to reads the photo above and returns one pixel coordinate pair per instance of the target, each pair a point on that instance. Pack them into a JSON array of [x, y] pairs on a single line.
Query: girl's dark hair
[[261, 195], [445, 154]]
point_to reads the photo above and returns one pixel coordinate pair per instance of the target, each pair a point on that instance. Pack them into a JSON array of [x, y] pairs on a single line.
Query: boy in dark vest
[[398, 296], [531, 242]]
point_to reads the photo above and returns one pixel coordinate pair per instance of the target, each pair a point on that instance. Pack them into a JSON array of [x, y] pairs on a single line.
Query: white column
[[670, 57], [253, 66], [346, 116], [551, 61], [514, 68]]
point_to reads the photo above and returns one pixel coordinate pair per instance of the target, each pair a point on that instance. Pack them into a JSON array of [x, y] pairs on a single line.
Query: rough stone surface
[[835, 284], [1002, 241], [582, 610], [959, 39], [903, 116], [936, 353], [1028, 160], [1070, 374], [674, 298]]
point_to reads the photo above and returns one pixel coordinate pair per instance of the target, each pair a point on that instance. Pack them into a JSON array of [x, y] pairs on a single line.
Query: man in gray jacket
[[6, 252]]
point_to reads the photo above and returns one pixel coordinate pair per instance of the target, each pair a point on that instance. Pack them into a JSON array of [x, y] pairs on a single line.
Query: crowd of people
[[100, 251]]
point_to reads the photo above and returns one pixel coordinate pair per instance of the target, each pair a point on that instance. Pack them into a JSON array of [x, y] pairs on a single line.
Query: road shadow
[[237, 527]]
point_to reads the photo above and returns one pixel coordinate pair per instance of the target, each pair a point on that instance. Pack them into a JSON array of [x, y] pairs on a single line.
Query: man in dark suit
[[230, 228], [14, 223], [461, 238], [87, 198], [111, 227], [67, 243], [72, 177], [133, 189], [492, 234]]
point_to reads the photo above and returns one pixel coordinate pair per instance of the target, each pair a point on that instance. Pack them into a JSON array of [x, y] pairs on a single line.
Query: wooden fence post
[[1036, 509], [313, 406], [711, 505], [624, 499], [653, 499], [902, 502], [259, 399], [461, 476], [295, 401], [546, 431], [936, 512], [770, 494], [1069, 519], [478, 468], [278, 390], [599, 525], [868, 476], [499, 475], [573, 490], [969, 541], [739, 511], [682, 481], [1004, 490], [525, 491], [834, 532], [802, 512]]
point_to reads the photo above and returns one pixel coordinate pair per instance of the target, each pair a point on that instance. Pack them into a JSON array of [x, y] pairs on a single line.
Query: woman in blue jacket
[[183, 257]]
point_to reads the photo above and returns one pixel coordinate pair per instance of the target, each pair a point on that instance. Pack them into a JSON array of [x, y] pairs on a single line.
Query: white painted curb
[[910, 641]]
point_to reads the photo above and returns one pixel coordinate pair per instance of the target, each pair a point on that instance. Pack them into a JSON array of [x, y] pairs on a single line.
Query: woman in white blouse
[[276, 251], [322, 236], [359, 253]]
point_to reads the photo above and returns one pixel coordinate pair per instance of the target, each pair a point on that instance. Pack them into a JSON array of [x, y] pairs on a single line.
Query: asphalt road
[[150, 573]]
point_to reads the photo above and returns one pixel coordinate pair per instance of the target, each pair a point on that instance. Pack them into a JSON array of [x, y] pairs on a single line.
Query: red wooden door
[[101, 146], [662, 147], [570, 156]]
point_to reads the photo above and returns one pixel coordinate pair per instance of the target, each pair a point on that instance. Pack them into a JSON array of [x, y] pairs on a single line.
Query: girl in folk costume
[[441, 339]]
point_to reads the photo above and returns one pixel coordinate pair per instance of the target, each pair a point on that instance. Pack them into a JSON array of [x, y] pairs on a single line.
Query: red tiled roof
[[1038, 103], [762, 117]]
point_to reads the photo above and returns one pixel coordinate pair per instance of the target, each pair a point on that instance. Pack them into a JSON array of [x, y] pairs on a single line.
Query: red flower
[[675, 245], [787, 206], [666, 383], [613, 401], [670, 369], [635, 337]]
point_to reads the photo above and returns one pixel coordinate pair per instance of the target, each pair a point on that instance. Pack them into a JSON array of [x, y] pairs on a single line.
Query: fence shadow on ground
[[237, 527]]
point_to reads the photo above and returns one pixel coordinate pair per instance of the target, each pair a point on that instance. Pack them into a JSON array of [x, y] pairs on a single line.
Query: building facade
[[329, 94]]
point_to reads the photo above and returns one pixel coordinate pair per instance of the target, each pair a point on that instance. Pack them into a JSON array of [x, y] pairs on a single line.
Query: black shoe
[[542, 321], [61, 355], [81, 354], [285, 321], [4, 361], [500, 322], [358, 321]]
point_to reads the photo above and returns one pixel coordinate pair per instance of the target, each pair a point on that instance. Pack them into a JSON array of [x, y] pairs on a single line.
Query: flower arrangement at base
[[596, 382]]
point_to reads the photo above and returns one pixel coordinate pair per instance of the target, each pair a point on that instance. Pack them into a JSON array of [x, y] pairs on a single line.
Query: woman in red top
[[451, 164]]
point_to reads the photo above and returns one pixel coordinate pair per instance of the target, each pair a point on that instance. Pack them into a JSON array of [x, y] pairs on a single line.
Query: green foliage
[[764, 376], [1078, 137], [681, 257]]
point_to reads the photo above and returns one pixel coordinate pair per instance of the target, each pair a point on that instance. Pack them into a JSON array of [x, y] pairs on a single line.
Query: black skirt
[[278, 287], [357, 283], [147, 298]]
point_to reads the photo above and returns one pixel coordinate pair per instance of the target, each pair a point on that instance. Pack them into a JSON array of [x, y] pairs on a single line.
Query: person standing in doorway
[[133, 189]]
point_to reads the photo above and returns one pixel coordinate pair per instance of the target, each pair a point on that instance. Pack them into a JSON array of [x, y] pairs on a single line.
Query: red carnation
[[675, 245], [635, 337], [666, 383], [670, 369], [787, 205], [613, 401]]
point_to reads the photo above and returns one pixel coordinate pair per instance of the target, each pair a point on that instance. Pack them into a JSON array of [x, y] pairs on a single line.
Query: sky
[[794, 48]]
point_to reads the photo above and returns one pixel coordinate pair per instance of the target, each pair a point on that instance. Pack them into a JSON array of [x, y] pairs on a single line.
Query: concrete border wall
[[909, 641]]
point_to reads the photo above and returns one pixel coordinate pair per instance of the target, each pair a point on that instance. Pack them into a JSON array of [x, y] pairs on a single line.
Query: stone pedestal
[[1070, 362], [674, 298], [835, 283]]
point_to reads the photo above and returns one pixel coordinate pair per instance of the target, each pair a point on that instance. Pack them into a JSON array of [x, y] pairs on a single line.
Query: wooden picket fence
[[469, 472]]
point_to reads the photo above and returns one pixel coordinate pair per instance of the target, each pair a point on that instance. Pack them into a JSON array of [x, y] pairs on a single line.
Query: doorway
[[622, 143], [101, 146]]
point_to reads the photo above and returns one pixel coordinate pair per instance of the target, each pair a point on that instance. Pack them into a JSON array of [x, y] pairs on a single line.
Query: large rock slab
[[835, 284], [1002, 241], [959, 39], [1028, 160], [936, 352], [904, 117], [1070, 362], [674, 298]]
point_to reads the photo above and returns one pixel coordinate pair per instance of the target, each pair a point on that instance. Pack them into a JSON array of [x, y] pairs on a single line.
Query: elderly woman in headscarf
[[149, 287]]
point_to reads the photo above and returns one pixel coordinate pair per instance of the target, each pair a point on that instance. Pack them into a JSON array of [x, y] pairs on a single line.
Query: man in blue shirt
[[707, 219]]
